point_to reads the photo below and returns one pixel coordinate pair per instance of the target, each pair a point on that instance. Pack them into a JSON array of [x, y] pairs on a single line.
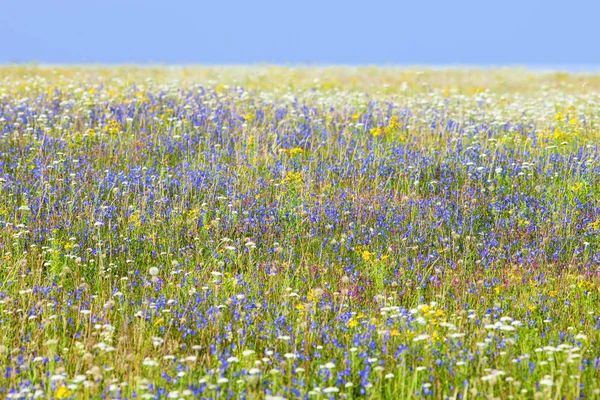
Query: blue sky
[[484, 32]]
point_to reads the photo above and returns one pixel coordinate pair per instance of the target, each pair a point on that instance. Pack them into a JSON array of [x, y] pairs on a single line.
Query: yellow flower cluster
[[391, 128], [354, 321], [135, 219], [594, 226], [292, 152], [292, 178], [567, 128], [113, 127]]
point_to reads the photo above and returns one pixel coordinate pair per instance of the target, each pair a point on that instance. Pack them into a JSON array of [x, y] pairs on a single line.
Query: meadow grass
[[270, 232]]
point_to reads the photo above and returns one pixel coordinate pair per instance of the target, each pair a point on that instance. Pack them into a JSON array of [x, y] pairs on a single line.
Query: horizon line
[[538, 67]]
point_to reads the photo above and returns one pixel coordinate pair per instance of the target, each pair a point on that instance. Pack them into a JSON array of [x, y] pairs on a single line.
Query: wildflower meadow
[[299, 232]]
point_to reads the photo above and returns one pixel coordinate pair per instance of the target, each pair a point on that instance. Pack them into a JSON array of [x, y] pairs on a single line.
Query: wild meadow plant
[[268, 232]]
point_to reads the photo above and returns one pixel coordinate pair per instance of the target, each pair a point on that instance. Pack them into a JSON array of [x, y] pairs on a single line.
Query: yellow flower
[[425, 309], [560, 134], [300, 307], [577, 187], [476, 90], [352, 323], [63, 392], [194, 213], [593, 226], [375, 132], [113, 127], [367, 255], [392, 125], [586, 285], [394, 332], [135, 220], [159, 322], [292, 178], [295, 151]]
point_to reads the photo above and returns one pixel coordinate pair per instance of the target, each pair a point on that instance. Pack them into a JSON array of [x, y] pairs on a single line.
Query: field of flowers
[[270, 232]]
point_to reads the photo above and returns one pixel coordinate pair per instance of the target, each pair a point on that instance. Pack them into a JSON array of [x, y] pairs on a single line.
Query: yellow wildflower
[[586, 285], [560, 134], [425, 309], [367, 255], [375, 132], [152, 237], [193, 213], [296, 151], [594, 226], [292, 178], [392, 125], [135, 220], [63, 392], [577, 187], [113, 127]]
